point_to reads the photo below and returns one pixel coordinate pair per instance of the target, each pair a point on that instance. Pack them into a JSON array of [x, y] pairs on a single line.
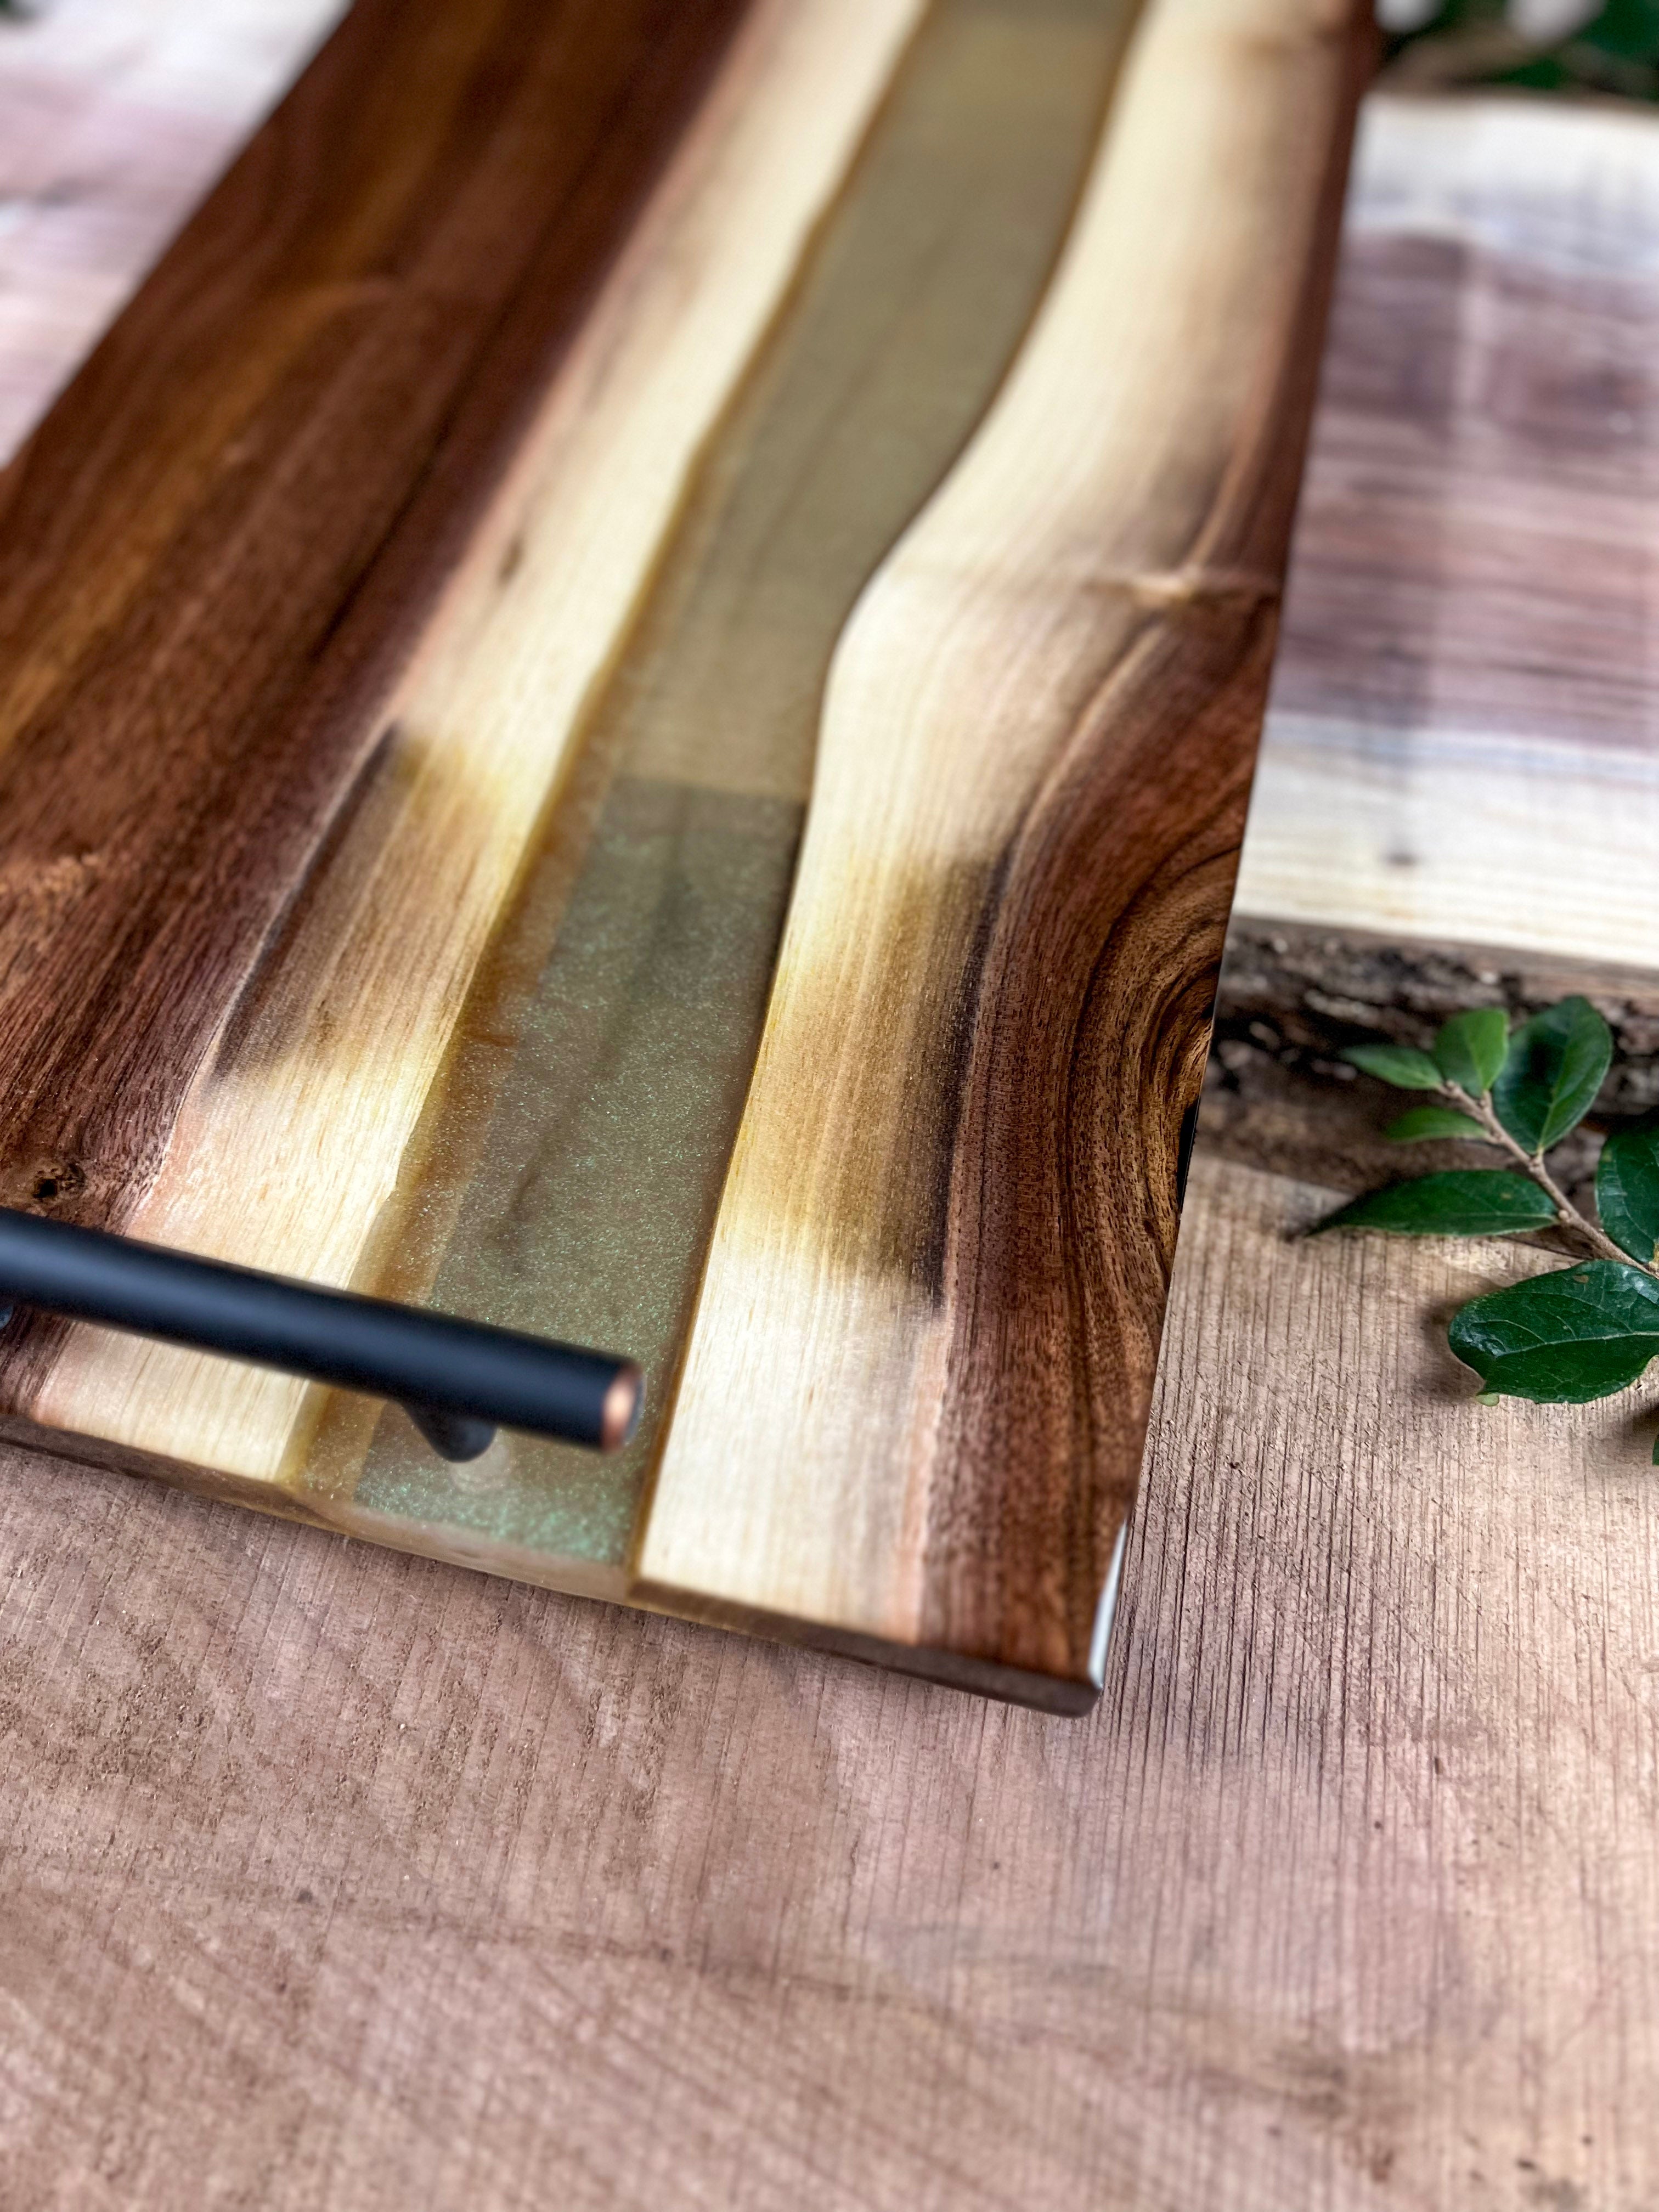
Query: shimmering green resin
[[584, 1210]]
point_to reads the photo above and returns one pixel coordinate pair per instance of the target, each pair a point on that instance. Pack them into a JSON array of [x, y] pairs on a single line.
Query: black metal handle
[[457, 1380]]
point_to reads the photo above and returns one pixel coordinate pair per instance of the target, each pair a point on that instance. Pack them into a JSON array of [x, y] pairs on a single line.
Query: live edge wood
[[915, 1401]]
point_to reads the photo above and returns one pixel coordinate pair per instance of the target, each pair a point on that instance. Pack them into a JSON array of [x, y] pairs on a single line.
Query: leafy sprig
[[1583, 1331], [1611, 48]]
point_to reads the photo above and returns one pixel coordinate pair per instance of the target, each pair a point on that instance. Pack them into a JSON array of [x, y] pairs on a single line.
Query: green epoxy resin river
[[573, 1171]]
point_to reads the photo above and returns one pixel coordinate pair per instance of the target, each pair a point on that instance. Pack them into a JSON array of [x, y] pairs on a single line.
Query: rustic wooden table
[[340, 1880]]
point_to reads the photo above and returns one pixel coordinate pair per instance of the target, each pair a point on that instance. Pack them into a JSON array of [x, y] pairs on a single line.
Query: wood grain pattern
[[348, 327], [579, 1200], [915, 1399], [313, 1051]]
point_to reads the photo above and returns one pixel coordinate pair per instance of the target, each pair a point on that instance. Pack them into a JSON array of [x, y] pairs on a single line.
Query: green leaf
[[1471, 1048], [1402, 1065], [1420, 1121], [1566, 1338], [1554, 1069], [1465, 1202], [1628, 28], [1627, 1191]]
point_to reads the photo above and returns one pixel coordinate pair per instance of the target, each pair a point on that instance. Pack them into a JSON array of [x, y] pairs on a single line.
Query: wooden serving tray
[[630, 686]]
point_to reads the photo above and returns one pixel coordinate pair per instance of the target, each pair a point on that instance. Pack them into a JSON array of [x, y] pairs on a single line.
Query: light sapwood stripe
[[584, 1210], [289, 1145], [915, 1401]]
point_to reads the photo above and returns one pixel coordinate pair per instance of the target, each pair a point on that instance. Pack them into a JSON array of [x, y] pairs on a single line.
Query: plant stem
[[1565, 1211]]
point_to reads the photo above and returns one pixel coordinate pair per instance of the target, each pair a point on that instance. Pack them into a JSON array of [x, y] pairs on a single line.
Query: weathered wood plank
[[1460, 741], [356, 1883], [914, 1404]]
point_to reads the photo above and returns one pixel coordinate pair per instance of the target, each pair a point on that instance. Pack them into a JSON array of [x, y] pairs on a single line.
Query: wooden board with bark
[[575, 462], [1463, 708]]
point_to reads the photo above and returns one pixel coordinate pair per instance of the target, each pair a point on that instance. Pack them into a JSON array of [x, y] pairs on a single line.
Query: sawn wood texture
[[1460, 742], [315, 580]]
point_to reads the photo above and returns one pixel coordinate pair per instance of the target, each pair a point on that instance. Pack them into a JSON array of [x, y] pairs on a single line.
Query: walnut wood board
[[354, 1883], [665, 472], [114, 118]]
